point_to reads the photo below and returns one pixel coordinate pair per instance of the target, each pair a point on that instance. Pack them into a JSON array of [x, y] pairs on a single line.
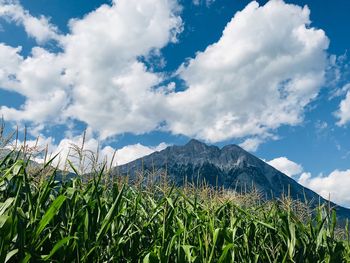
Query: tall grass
[[95, 219]]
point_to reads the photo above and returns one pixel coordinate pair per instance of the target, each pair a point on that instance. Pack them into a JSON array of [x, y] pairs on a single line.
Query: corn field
[[96, 220]]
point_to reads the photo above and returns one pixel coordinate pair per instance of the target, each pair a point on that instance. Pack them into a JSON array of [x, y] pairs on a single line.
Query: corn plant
[[89, 220]]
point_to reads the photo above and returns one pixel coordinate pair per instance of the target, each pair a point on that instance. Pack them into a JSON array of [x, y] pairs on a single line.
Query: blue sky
[[140, 75]]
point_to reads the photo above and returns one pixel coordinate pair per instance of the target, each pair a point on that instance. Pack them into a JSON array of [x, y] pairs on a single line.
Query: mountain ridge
[[230, 167]]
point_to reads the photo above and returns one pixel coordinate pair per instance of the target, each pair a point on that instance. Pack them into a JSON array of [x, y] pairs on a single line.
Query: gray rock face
[[230, 167]]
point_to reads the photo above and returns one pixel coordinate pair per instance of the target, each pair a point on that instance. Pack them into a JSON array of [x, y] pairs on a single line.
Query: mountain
[[230, 167]]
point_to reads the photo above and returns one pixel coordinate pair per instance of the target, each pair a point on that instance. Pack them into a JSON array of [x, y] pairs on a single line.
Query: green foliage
[[88, 221]]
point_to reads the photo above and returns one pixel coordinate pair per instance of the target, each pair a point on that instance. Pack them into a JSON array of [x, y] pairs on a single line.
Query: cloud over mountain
[[267, 66], [335, 185], [286, 166], [67, 149]]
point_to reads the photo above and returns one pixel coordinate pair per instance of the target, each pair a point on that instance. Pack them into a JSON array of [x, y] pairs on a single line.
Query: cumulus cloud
[[9, 64], [286, 166], [335, 185], [133, 152], [68, 148], [343, 112], [98, 77], [267, 66], [251, 144], [39, 79], [121, 156], [38, 28], [112, 88]]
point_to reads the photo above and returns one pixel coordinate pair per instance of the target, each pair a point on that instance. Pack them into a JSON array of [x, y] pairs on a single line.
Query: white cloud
[[38, 28], [251, 144], [267, 66], [98, 77], [9, 64], [133, 152], [286, 166], [344, 110], [38, 78], [123, 155], [65, 149], [336, 185], [112, 89]]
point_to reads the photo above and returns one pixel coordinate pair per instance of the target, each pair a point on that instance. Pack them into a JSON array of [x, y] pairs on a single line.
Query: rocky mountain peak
[[195, 145], [230, 167]]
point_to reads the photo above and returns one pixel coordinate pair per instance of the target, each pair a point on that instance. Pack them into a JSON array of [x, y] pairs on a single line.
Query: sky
[[138, 76]]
